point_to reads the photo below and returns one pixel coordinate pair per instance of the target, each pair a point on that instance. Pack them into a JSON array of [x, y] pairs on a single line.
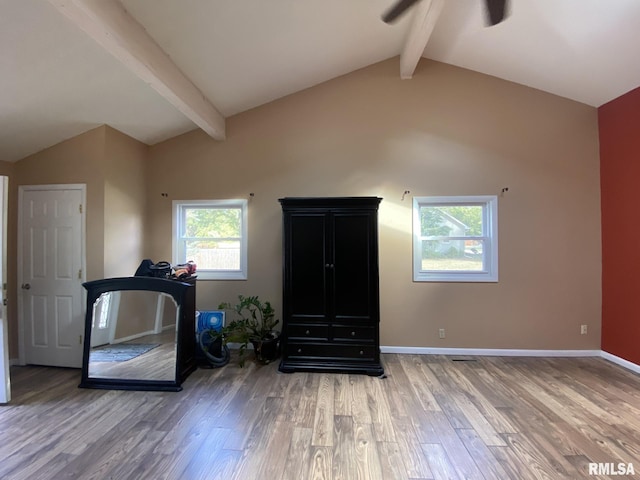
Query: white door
[[51, 273], [5, 387]]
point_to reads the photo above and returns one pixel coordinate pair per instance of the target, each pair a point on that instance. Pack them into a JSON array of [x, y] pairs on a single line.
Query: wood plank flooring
[[156, 364], [433, 417]]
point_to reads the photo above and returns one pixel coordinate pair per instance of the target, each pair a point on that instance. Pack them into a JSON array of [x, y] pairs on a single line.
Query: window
[[213, 234], [455, 239]]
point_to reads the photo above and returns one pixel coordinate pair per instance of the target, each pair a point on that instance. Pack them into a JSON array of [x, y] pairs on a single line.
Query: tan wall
[[136, 313], [77, 160], [7, 168], [124, 200], [448, 131], [112, 166]]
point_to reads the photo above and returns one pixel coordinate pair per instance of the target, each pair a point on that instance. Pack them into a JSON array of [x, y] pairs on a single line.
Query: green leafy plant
[[255, 322]]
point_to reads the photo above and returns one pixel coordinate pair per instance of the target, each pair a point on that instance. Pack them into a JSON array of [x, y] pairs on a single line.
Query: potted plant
[[255, 322]]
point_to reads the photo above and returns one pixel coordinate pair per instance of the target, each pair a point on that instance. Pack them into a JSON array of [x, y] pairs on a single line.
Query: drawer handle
[[353, 334], [307, 332], [299, 350], [361, 352]]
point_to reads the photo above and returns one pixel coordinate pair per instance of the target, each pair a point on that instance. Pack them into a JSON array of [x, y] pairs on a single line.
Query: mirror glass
[[133, 336]]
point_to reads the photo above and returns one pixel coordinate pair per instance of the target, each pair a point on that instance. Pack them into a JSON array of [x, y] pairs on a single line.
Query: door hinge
[[80, 274], [80, 208]]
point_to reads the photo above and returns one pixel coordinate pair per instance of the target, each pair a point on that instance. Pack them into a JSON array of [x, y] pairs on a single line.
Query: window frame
[[489, 237], [179, 243]]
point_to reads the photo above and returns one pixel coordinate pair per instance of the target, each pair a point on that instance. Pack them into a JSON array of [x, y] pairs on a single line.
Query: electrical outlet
[[441, 333], [583, 329]]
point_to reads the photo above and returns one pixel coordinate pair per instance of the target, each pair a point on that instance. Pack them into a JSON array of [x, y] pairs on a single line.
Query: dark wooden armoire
[[331, 311]]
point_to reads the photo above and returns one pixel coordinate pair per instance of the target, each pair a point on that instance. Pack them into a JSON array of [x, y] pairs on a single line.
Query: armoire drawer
[[330, 350], [353, 333], [308, 331]]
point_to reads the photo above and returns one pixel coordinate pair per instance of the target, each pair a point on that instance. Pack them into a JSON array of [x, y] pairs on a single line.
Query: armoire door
[[307, 268], [352, 274]]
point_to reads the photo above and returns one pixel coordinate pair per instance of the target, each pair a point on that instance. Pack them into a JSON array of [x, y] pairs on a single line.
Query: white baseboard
[[490, 352], [133, 337], [620, 361], [509, 352], [487, 352]]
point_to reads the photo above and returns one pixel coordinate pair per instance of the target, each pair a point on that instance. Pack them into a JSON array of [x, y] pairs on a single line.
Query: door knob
[[26, 286]]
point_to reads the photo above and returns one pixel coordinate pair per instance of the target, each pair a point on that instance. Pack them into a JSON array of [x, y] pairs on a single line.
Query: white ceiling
[[57, 82]]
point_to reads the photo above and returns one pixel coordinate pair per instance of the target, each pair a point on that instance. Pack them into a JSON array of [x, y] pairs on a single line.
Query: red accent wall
[[619, 125]]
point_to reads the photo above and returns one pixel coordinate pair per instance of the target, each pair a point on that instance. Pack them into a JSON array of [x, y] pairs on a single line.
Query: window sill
[[208, 275], [481, 277]]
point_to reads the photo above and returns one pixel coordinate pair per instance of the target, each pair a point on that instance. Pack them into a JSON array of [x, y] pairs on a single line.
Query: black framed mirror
[[139, 334]]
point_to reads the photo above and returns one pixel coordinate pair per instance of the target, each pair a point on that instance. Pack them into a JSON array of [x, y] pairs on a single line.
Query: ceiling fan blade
[[396, 10], [496, 11]]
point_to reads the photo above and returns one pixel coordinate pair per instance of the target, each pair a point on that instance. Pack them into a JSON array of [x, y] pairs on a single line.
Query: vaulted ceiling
[[156, 68]]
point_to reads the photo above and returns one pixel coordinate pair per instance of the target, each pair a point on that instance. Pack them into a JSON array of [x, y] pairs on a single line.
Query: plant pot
[[266, 350]]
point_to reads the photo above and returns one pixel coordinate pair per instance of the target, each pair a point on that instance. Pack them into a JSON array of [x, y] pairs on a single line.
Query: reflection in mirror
[[133, 336], [139, 333]]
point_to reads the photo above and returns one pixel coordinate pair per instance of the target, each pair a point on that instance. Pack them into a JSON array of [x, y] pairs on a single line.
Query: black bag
[[160, 270], [144, 270], [149, 269]]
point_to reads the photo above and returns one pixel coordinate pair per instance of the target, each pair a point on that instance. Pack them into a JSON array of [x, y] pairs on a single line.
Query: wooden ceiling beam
[[424, 19], [111, 26]]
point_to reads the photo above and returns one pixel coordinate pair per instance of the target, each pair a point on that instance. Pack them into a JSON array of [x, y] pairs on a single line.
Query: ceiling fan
[[496, 11]]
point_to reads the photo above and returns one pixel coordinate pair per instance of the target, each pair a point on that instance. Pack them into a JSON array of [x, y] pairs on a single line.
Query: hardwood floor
[[433, 417], [156, 364]]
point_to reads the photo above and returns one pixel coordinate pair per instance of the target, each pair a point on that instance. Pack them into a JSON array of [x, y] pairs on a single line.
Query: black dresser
[[331, 311]]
